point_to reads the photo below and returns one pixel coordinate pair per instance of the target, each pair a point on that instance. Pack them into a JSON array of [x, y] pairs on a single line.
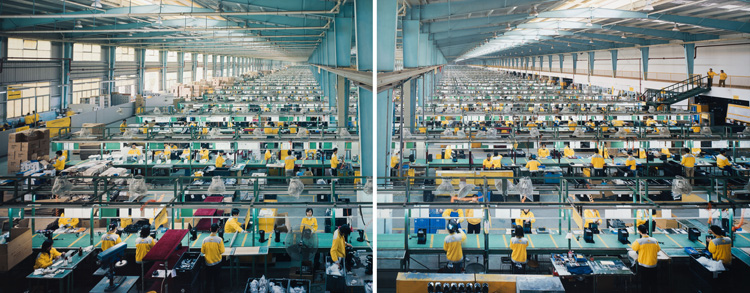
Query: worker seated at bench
[[47, 256]]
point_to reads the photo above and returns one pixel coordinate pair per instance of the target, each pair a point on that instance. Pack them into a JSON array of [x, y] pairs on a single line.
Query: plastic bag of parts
[[499, 185], [302, 133], [534, 132], [621, 133], [466, 190], [129, 133], [680, 186], [368, 186], [157, 110], [445, 188], [214, 133], [137, 185], [217, 185], [407, 133], [257, 286], [652, 109], [492, 132], [712, 265], [705, 130], [344, 133], [578, 132], [62, 186], [524, 187], [85, 132], [461, 133], [258, 132], [297, 290], [332, 269], [321, 181], [664, 131], [296, 187], [447, 132], [276, 288], [746, 131]]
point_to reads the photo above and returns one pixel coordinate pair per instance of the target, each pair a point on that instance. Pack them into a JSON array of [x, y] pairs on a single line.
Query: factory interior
[[186, 146], [562, 146]]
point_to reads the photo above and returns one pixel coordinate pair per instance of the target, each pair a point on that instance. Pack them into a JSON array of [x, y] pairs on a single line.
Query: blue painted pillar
[[140, 57], [214, 65], [533, 63], [386, 22], [163, 59], [222, 65], [67, 90], [4, 89], [549, 59], [591, 62], [562, 59], [111, 58], [344, 26], [614, 62], [412, 51], [574, 56], [541, 63], [644, 62], [181, 67], [194, 66], [689, 57], [363, 12]]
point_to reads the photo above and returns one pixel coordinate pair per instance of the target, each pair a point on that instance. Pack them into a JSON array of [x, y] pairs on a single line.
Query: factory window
[[125, 54], [188, 58], [199, 73], [171, 80], [171, 56], [33, 49], [209, 73], [152, 56], [85, 88], [187, 77], [200, 59], [28, 97], [125, 84], [152, 80], [87, 52]]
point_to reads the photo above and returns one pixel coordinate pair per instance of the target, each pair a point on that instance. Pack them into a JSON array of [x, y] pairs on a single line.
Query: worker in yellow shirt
[[603, 151], [617, 123], [526, 217], [64, 222], [233, 225], [647, 248], [395, 159], [143, 244], [518, 256], [696, 127], [721, 246], [543, 152], [203, 153], [267, 155], [487, 163], [168, 150], [185, 154], [454, 214], [111, 238], [572, 125], [568, 152], [268, 129], [289, 162], [448, 152], [641, 154], [339, 244], [723, 163], [531, 124], [212, 248], [335, 162], [219, 162], [47, 256], [650, 121], [688, 164], [134, 151], [696, 151], [665, 151], [453, 247], [59, 163], [309, 222], [723, 79], [711, 73], [533, 165], [497, 161], [592, 216], [597, 161], [293, 128], [630, 164], [123, 126]]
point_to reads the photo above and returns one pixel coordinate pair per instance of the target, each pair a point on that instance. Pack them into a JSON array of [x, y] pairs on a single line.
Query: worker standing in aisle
[[647, 248], [543, 152], [143, 244], [518, 255], [568, 152], [597, 161], [592, 216], [688, 164], [630, 164], [59, 163], [453, 247], [111, 238], [212, 248], [526, 217], [124, 126], [723, 79], [710, 74], [289, 162], [233, 225], [339, 245], [721, 246], [64, 222], [47, 256], [309, 222], [335, 162], [456, 215]]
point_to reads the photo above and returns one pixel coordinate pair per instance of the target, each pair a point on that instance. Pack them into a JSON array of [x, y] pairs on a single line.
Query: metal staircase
[[691, 87]]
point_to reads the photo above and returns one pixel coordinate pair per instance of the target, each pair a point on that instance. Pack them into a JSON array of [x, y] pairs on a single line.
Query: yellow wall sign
[[12, 94], [23, 128], [56, 125]]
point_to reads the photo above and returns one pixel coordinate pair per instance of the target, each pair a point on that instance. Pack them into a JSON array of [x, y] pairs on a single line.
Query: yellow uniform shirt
[[543, 152], [666, 152], [142, 247], [695, 151], [487, 163], [124, 222], [630, 162], [28, 119], [603, 151], [617, 123], [533, 165], [232, 226], [568, 152], [447, 214], [453, 246], [293, 129], [334, 161], [641, 218], [186, 153], [72, 222], [167, 151], [721, 249], [448, 153], [572, 126], [267, 156], [394, 161], [722, 161], [219, 162], [688, 161], [597, 161], [309, 223], [110, 239], [44, 259], [696, 129], [641, 154], [525, 216], [212, 248], [204, 154], [518, 248], [134, 152], [711, 74], [647, 249], [123, 127], [723, 76], [59, 163], [650, 122], [497, 161], [592, 216], [470, 218], [289, 163], [338, 247], [531, 125]]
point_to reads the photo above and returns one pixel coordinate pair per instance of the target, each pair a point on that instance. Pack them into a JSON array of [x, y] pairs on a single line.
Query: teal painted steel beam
[[363, 20], [67, 91], [613, 53], [180, 67], [344, 30], [549, 57], [448, 25], [163, 71], [729, 25], [365, 125], [111, 65], [663, 34], [644, 62], [689, 57], [287, 5], [140, 57], [386, 22], [591, 62], [562, 59], [445, 9], [194, 67], [574, 57], [592, 13], [411, 43]]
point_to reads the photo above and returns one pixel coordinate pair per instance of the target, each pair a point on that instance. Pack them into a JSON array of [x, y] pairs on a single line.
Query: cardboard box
[[16, 249], [307, 181], [281, 224], [17, 137], [96, 129]]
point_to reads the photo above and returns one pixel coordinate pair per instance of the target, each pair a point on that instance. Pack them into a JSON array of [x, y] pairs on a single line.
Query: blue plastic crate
[[421, 224]]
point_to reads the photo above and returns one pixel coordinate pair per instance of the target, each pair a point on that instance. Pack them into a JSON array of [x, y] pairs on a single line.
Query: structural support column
[[4, 89], [163, 61], [689, 55], [549, 59], [363, 12], [614, 62], [221, 64], [644, 62], [180, 67], [111, 59], [342, 101], [67, 89], [591, 62], [140, 56], [562, 58], [574, 56], [194, 62]]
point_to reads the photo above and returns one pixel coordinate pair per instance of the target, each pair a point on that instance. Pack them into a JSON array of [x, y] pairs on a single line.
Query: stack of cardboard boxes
[[196, 89], [27, 145], [96, 129]]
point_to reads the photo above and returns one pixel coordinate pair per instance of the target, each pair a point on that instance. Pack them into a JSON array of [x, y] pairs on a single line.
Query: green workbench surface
[[521, 161], [255, 164]]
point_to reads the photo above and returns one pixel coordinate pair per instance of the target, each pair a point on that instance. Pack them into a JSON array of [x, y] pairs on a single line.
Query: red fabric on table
[[172, 262], [205, 224], [166, 245]]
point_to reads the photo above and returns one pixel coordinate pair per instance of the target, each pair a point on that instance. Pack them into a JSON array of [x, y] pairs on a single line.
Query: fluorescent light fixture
[[534, 13], [623, 36], [97, 4], [675, 28], [591, 41], [158, 20], [568, 44], [78, 24], [648, 6], [589, 24]]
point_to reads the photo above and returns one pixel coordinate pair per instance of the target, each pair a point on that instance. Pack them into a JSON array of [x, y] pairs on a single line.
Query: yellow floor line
[[195, 242], [602, 240], [244, 239], [478, 246], [532, 243], [432, 238], [740, 234], [553, 241], [675, 242], [576, 240], [100, 242], [79, 238], [53, 237], [505, 241], [126, 239]]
